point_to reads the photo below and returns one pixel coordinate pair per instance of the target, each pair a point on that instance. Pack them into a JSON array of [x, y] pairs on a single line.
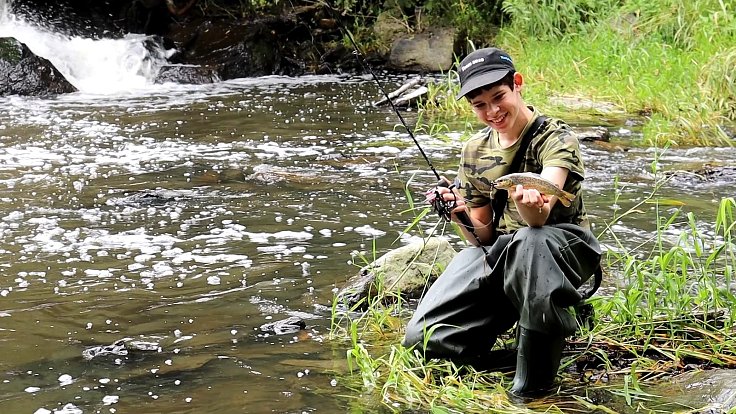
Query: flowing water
[[184, 217]]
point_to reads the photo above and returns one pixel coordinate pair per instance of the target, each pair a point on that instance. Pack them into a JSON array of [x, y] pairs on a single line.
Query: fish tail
[[566, 198]]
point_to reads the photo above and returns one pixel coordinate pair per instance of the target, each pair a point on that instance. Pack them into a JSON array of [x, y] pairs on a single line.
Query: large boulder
[[233, 50], [291, 44], [404, 272], [433, 50], [24, 73], [388, 28]]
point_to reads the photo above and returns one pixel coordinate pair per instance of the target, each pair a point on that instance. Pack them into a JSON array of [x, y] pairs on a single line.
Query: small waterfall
[[4, 11], [97, 66]]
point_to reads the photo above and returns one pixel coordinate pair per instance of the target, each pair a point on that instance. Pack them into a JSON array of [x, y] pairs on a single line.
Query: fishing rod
[[442, 207]]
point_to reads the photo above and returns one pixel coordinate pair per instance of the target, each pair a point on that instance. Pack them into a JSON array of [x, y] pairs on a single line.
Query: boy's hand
[[528, 197]]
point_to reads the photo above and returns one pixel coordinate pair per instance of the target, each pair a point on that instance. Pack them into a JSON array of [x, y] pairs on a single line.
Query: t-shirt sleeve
[[473, 188], [562, 149]]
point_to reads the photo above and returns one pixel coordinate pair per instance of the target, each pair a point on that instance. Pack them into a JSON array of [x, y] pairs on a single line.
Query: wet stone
[[144, 346], [712, 391], [146, 198], [121, 347], [696, 172], [405, 271], [117, 348], [284, 326], [594, 133], [187, 74]]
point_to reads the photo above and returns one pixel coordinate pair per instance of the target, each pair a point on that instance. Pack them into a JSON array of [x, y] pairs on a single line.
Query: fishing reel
[[443, 207], [444, 210]]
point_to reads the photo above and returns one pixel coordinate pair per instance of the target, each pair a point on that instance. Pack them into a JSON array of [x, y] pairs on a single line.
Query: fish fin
[[566, 198]]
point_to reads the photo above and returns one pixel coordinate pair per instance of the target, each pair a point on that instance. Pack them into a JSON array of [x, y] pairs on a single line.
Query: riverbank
[[666, 310], [668, 68]]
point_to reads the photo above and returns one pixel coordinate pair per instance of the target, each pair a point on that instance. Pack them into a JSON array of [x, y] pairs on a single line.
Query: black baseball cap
[[483, 67]]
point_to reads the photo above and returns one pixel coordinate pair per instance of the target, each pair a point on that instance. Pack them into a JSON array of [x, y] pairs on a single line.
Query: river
[[184, 217]]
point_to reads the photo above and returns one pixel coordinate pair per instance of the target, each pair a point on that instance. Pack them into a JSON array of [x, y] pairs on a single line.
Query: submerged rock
[[145, 198], [289, 325], [702, 173], [713, 391], [595, 133], [121, 347], [117, 348]]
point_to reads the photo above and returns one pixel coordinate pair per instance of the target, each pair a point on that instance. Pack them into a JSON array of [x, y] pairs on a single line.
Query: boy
[[540, 252]]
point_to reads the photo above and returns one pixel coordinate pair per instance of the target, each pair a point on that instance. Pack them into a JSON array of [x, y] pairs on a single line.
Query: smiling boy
[[540, 252]]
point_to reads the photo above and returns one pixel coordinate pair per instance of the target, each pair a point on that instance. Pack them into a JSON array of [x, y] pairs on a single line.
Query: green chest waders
[[531, 278]]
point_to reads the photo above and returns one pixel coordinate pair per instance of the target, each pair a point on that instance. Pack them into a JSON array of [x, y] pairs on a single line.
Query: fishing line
[[365, 65], [442, 207]]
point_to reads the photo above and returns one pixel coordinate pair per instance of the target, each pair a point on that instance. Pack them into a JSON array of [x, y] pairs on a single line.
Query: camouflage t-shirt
[[555, 145]]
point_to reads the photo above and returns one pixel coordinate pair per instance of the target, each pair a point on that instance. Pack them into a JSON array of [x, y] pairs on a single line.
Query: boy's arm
[[534, 207]]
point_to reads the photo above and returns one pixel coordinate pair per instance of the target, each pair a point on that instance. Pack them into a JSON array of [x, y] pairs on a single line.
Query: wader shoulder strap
[[499, 201]]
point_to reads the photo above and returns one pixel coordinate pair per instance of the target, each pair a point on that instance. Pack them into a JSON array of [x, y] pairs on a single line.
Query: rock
[[289, 325], [24, 73], [265, 174], [188, 74], [387, 28], [595, 133], [717, 172], [117, 348], [229, 175], [121, 347], [240, 49], [698, 172], [406, 271], [713, 391], [433, 50], [145, 198]]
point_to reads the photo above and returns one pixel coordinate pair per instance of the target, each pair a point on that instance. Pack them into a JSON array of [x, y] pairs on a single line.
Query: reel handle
[[462, 216]]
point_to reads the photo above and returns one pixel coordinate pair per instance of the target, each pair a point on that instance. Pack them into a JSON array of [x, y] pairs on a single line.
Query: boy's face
[[499, 106]]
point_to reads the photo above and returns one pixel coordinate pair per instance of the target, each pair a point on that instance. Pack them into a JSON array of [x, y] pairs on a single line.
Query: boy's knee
[[414, 334], [531, 237]]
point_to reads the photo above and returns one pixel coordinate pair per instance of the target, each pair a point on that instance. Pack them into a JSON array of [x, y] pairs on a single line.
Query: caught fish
[[537, 182]]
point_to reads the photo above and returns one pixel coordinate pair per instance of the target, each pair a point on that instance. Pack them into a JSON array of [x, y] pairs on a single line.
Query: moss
[[10, 50]]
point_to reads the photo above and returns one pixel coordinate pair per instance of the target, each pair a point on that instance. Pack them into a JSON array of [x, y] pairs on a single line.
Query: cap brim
[[480, 81]]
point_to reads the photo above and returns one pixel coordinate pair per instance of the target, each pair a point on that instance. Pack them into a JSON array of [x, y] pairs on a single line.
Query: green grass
[[672, 63]]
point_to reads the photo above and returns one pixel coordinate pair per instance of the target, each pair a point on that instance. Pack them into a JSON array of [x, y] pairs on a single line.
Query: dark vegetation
[[478, 19]]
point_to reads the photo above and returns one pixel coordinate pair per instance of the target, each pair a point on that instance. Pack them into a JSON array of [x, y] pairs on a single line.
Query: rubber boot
[[537, 362], [498, 360]]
